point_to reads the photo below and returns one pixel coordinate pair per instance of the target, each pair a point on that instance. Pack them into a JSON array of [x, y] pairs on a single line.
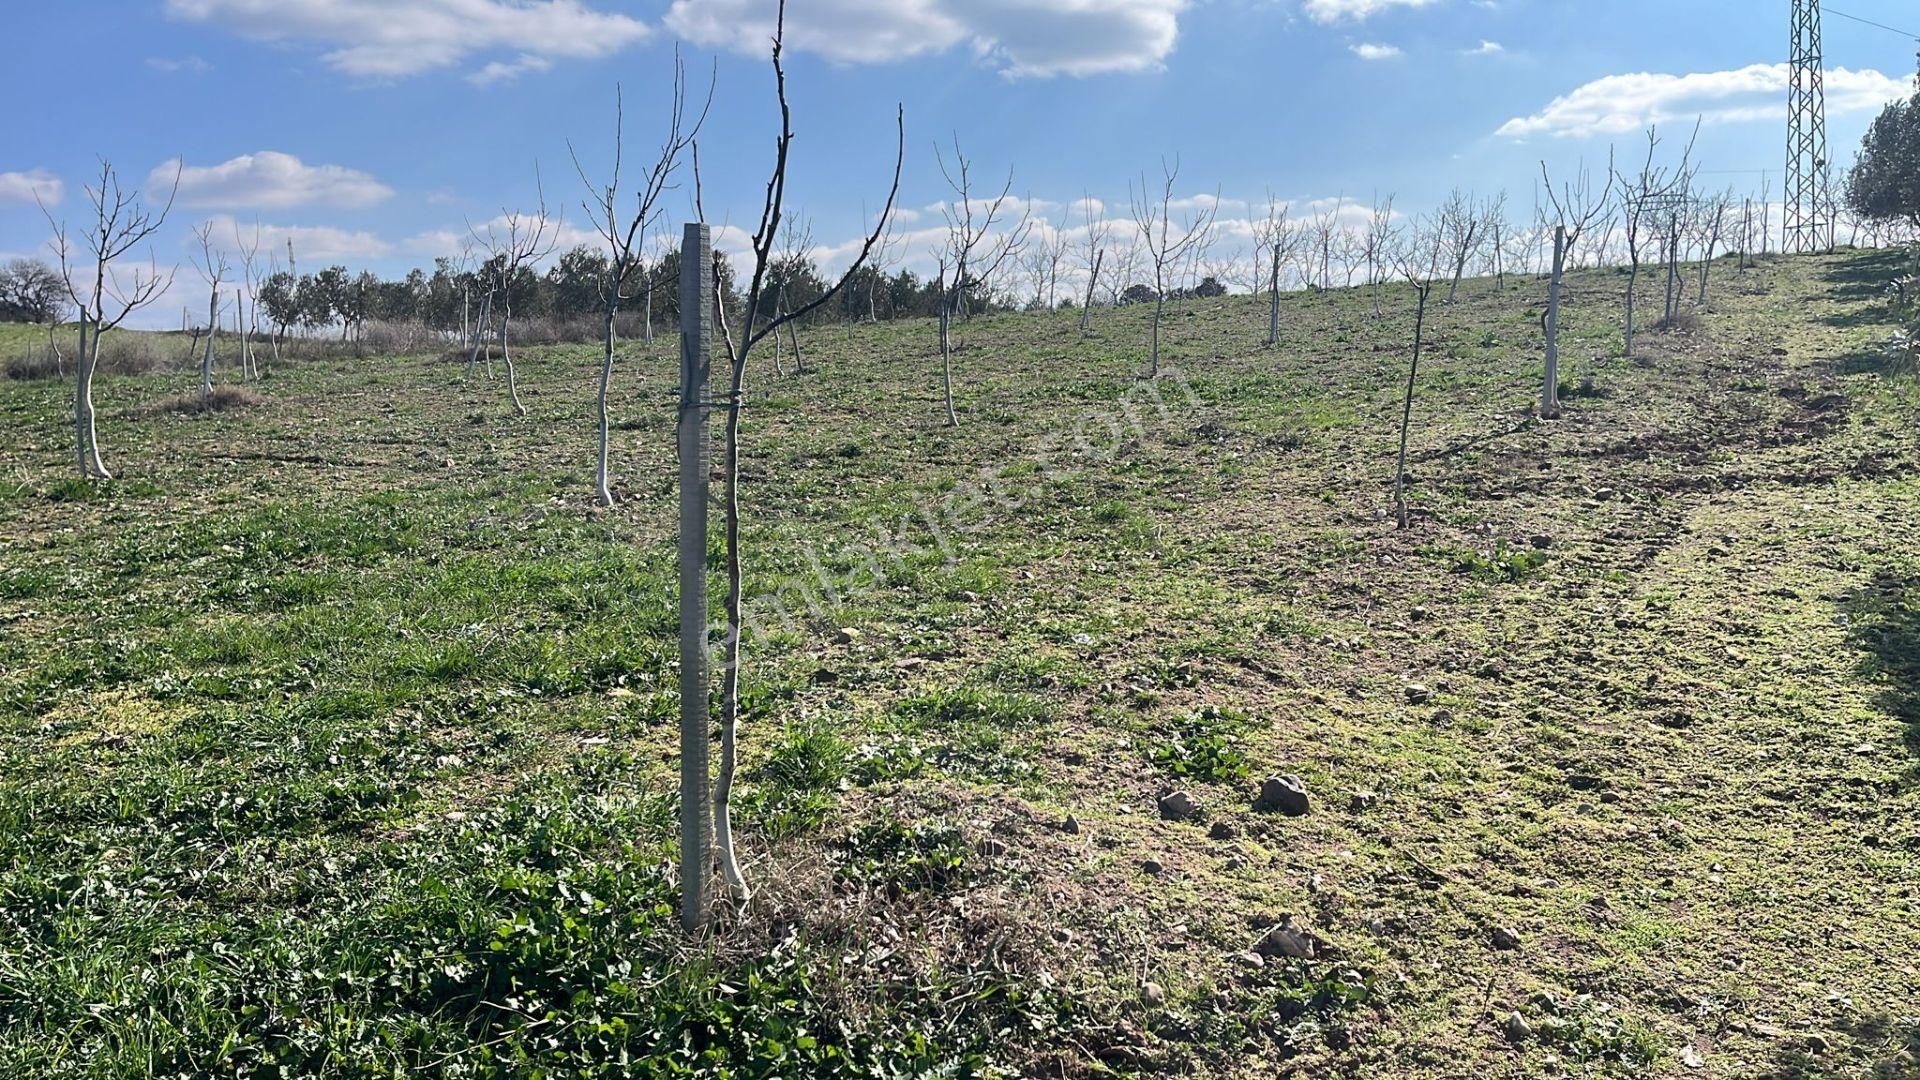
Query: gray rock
[[1418, 695], [1152, 994], [1285, 940], [1284, 794], [1071, 826], [1178, 806], [1223, 830], [1505, 938], [1152, 868], [1517, 1028]]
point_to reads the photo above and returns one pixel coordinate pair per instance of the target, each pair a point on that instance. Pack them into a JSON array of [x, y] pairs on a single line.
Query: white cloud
[[269, 180], [1486, 48], [1367, 50], [1618, 104], [311, 243], [504, 71], [1333, 11], [563, 236], [1020, 38], [23, 186], [191, 65], [385, 39]]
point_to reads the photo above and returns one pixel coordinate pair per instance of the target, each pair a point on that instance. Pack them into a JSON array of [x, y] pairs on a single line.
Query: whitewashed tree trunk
[[1159, 307], [602, 489], [246, 341], [946, 361], [506, 355], [86, 436], [480, 339], [730, 677], [206, 358], [1550, 396], [646, 328], [1093, 279]]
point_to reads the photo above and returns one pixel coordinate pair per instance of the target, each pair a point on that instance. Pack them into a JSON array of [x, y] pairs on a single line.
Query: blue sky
[[373, 131]]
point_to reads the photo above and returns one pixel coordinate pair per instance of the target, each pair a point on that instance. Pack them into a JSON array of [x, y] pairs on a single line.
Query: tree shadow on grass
[[1891, 1042], [1864, 275], [1883, 362], [1885, 624]]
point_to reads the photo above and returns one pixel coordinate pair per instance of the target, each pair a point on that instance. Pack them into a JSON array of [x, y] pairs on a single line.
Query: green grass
[[337, 737]]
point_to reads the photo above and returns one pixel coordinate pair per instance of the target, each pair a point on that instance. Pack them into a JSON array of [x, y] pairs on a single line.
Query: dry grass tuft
[[223, 399]]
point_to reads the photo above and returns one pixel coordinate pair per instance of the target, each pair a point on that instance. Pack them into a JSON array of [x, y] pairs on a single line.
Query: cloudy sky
[[374, 132]]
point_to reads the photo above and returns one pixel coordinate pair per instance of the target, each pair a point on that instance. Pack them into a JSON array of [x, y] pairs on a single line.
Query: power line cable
[[1870, 22]]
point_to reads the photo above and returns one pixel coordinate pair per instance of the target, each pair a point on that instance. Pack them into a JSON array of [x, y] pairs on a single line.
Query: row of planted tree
[[1650, 213]]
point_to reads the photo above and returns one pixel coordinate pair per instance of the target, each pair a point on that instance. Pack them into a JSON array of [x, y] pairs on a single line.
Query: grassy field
[[337, 737]]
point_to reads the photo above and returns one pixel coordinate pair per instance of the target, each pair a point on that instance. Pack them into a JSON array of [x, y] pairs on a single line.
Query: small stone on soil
[[1517, 1028], [1284, 940], [1286, 794], [1179, 806], [1418, 695], [1505, 938], [1222, 830], [1152, 994]]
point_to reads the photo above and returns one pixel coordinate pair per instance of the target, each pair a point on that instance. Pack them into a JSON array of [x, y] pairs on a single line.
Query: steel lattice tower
[[1808, 218]]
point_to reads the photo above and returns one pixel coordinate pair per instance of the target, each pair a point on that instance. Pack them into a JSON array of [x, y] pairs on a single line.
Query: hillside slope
[[339, 734]]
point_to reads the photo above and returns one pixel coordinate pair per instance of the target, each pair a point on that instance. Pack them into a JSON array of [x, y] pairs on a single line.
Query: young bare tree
[[1644, 199], [1493, 258], [1093, 253], [246, 306], [738, 347], [885, 256], [1714, 212], [1166, 245], [1326, 232], [213, 269], [982, 235], [1576, 207], [625, 233], [1462, 228], [1418, 262], [1378, 244], [1046, 257], [515, 243], [121, 222], [1274, 238], [794, 259]]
